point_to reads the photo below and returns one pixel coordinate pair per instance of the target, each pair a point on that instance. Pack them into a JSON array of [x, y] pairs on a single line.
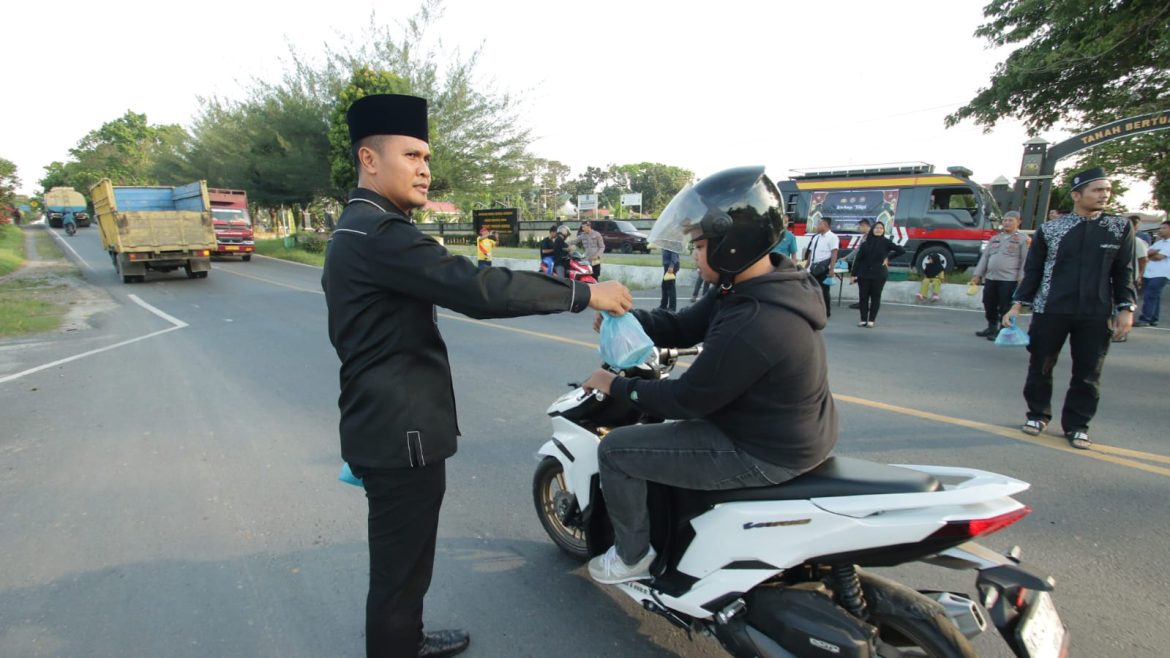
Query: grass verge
[[25, 310], [29, 302], [275, 249], [11, 248]]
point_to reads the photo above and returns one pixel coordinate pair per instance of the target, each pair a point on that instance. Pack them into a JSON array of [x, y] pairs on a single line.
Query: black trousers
[[870, 293], [827, 291], [669, 295], [997, 299], [1088, 338], [403, 526]]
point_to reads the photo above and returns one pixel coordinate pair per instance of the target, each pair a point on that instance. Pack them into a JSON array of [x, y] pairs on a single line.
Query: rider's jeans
[[688, 454]]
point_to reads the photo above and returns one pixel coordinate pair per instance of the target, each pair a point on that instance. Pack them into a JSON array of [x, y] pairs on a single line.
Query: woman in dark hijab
[[871, 269]]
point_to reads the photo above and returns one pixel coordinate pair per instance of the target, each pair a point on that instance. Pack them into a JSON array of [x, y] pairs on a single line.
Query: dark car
[[621, 236]]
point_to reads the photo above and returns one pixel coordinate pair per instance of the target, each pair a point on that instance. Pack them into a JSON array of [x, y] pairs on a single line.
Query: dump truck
[[155, 228], [233, 226], [60, 200]]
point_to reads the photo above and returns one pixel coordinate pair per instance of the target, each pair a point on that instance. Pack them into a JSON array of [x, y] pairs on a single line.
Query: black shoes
[[990, 332], [443, 643], [855, 305]]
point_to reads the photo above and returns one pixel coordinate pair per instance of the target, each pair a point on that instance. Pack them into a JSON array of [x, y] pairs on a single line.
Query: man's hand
[[610, 296], [600, 380], [975, 280], [852, 280], [1011, 315], [1122, 324]]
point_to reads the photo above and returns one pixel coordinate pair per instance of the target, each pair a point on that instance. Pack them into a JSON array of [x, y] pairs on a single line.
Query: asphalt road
[[172, 490]]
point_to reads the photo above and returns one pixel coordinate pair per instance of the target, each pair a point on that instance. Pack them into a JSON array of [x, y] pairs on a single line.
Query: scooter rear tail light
[[971, 528]]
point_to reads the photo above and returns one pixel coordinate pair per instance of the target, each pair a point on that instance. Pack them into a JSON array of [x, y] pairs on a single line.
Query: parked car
[[621, 236]]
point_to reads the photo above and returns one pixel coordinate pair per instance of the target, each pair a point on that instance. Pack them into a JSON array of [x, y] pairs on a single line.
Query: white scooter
[[774, 571]]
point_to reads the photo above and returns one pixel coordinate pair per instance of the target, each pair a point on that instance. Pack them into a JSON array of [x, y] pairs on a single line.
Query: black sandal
[[1079, 440]]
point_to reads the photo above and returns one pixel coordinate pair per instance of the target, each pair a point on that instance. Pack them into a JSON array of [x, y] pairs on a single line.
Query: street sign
[[504, 222], [634, 199], [586, 202]]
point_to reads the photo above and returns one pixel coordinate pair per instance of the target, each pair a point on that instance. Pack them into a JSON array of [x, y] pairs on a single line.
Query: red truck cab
[[233, 226]]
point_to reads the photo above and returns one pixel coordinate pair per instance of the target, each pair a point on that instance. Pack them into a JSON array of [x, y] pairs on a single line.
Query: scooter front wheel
[[555, 505]]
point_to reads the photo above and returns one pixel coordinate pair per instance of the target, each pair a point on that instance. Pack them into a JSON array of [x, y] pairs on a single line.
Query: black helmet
[[738, 211]]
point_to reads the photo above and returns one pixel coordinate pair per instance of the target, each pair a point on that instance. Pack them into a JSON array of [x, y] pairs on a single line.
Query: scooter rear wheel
[[554, 502], [907, 627]]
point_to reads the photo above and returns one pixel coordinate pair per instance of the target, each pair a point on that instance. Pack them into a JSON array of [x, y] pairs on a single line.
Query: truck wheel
[[126, 278], [201, 275], [948, 260], [190, 272], [246, 257]]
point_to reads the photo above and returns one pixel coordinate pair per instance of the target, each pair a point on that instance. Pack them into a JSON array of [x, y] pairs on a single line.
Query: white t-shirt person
[[821, 246], [1156, 269]]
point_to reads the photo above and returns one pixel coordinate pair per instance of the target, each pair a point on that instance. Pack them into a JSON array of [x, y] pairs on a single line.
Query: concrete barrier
[[642, 277]]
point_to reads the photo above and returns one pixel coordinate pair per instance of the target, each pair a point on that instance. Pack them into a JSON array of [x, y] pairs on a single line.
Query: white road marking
[[175, 322], [179, 324], [60, 239]]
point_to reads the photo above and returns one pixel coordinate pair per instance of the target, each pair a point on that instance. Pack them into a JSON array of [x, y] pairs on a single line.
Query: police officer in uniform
[[1079, 271], [1000, 267], [383, 279]]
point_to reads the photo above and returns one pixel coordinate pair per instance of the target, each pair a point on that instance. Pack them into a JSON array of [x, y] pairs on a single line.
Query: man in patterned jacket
[[1079, 272]]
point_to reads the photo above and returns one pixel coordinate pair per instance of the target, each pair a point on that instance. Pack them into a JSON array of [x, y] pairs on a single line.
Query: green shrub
[[312, 243]]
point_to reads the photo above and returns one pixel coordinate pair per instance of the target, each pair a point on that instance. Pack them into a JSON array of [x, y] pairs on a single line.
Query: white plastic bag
[[624, 344]]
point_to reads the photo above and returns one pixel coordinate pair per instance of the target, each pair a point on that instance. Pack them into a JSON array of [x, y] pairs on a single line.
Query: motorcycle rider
[[754, 409]]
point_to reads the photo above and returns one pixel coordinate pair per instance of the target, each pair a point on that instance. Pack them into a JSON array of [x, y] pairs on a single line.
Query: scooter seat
[[837, 476]]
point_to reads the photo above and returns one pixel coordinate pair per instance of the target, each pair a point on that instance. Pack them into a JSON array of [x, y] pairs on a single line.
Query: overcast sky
[[791, 84]]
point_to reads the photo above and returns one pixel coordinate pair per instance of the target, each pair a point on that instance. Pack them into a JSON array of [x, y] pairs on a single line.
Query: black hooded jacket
[[762, 377]]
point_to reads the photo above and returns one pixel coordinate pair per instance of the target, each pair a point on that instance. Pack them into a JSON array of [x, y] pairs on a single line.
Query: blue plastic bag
[[347, 476], [829, 281], [1012, 336], [624, 344]]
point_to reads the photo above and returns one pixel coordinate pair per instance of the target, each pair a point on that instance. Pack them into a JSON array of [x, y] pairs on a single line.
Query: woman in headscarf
[[871, 269]]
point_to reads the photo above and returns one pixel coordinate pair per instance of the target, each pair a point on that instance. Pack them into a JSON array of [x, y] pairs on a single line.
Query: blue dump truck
[[60, 200], [160, 229]]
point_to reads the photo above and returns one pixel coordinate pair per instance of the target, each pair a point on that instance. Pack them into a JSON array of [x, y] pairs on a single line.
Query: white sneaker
[[608, 568]]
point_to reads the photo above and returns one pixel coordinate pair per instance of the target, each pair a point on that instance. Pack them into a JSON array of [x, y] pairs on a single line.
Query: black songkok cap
[[387, 114], [1087, 176]]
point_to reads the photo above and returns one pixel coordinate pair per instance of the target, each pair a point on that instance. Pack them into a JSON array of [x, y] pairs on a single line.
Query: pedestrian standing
[[932, 277], [863, 228], [871, 270], [1000, 268], [670, 265], [594, 245], [484, 245], [1156, 275], [821, 255], [383, 279], [786, 246], [1079, 272]]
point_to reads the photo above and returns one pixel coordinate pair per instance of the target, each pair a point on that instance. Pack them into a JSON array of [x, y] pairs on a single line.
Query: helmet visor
[[680, 222]]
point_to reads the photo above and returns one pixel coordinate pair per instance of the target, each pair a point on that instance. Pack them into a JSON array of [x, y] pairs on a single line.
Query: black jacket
[[382, 281], [932, 267], [1079, 266], [871, 256], [762, 377]]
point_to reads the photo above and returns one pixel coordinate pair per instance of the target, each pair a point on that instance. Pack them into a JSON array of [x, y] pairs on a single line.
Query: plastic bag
[[624, 344], [829, 281], [346, 475], [1012, 336], [972, 288]]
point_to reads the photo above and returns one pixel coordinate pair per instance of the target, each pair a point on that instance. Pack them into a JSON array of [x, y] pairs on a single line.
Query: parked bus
[[926, 212]]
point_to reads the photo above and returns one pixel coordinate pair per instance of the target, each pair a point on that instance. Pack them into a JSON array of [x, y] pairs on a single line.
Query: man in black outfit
[[383, 279], [1079, 271]]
